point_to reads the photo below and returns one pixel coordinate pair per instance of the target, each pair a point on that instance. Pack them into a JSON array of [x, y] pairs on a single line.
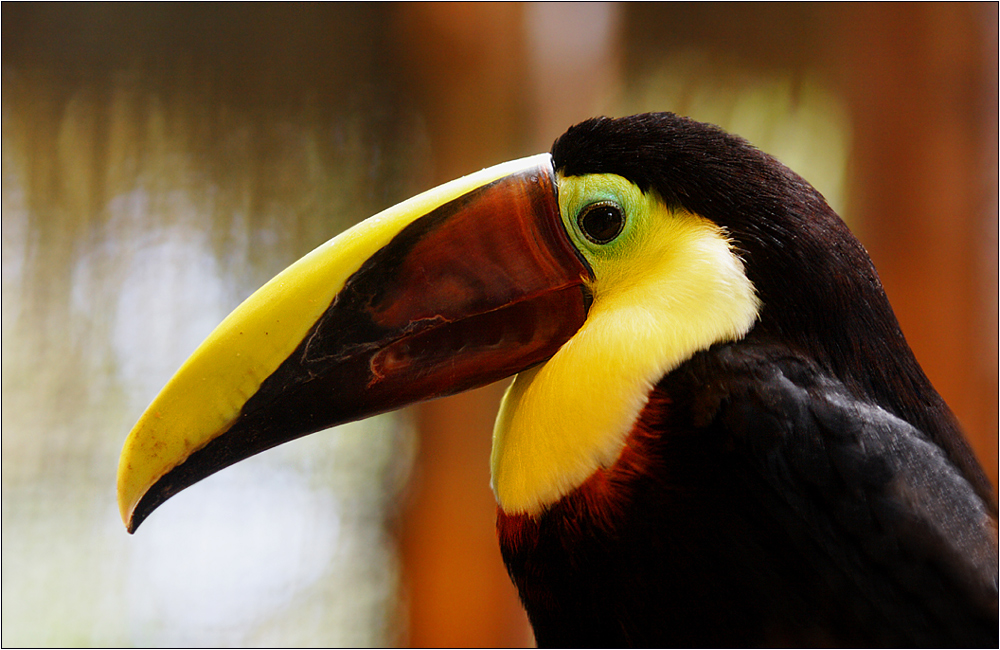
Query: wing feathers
[[890, 510]]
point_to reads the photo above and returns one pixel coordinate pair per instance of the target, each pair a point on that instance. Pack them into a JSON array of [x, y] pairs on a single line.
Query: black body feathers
[[772, 508]]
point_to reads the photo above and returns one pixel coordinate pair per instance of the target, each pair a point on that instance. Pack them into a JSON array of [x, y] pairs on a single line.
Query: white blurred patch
[[219, 558]]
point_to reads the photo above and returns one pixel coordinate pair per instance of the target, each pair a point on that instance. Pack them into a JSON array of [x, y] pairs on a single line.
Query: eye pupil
[[601, 222]]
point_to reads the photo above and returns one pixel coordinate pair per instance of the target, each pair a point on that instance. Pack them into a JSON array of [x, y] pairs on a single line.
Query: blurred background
[[161, 161]]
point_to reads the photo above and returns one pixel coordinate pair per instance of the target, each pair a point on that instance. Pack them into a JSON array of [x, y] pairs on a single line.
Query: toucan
[[716, 433]]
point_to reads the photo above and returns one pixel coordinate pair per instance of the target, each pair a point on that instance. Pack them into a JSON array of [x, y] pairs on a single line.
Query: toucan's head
[[589, 273]]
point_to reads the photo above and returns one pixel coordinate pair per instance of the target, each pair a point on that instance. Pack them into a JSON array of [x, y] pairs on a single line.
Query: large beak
[[458, 287]]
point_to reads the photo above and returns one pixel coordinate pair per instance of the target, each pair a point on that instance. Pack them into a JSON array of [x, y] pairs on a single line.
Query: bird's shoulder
[[844, 465]]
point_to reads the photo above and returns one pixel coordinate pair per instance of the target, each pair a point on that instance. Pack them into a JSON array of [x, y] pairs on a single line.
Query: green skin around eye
[[577, 193]]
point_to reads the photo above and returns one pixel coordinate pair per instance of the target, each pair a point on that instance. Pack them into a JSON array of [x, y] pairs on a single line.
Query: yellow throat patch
[[669, 285]]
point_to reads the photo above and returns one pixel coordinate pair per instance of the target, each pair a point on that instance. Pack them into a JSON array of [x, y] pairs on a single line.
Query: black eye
[[601, 222]]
